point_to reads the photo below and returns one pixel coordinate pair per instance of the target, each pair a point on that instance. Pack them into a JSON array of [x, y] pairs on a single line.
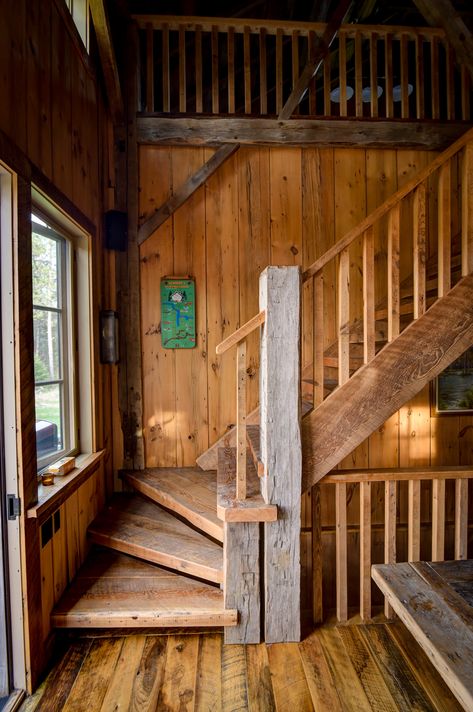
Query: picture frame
[[452, 390]]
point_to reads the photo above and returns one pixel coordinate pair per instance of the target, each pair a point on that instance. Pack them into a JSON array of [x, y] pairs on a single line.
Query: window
[[53, 342], [63, 342], [79, 10]]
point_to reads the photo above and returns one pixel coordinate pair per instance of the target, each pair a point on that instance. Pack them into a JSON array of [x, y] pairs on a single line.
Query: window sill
[[51, 497]]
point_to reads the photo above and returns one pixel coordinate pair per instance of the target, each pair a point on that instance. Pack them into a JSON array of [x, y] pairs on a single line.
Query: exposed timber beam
[[365, 133], [185, 191], [441, 13], [319, 52], [107, 59]]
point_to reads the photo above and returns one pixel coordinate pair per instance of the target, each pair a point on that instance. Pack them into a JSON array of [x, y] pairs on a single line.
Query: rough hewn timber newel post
[[280, 290]]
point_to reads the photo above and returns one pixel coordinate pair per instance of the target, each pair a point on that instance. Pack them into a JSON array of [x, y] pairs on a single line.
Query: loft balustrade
[[213, 66]]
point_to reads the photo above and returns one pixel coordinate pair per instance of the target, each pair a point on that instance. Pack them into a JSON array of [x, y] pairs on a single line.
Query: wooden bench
[[435, 602]]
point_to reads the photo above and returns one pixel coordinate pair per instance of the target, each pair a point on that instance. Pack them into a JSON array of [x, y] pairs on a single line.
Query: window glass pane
[[49, 419], [47, 345], [45, 271]]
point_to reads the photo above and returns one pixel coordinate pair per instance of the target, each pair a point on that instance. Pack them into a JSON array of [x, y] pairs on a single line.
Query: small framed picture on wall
[[453, 388]]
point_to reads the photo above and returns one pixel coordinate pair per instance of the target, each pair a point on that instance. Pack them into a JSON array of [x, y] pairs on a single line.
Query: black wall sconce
[[109, 341]]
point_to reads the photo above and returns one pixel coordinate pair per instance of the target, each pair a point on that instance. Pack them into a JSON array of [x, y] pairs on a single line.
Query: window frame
[[67, 366]]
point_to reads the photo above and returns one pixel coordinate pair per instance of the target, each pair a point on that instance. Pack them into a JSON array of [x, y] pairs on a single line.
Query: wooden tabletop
[[435, 601]]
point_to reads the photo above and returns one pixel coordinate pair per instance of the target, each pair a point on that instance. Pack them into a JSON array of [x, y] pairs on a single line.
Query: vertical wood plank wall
[[279, 206], [54, 126]]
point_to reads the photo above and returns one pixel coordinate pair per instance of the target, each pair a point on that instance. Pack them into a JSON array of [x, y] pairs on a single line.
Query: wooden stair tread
[[135, 526], [253, 508], [188, 491], [117, 591]]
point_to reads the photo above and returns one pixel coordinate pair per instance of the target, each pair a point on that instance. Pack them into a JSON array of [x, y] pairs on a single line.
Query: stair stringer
[[377, 390]]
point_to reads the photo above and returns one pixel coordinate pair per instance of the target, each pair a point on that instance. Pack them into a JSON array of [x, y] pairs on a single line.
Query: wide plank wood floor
[[355, 668]]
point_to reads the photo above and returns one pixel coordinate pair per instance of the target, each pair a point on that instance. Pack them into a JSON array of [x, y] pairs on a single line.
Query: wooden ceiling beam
[[441, 13], [320, 51], [107, 59], [214, 132]]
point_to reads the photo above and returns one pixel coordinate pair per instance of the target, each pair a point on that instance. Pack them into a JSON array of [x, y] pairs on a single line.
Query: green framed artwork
[[177, 313]]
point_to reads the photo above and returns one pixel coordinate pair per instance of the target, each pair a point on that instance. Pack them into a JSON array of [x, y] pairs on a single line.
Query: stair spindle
[[438, 520], [404, 76], [344, 317], [247, 68], [461, 519], [215, 77], [413, 521], [467, 210], [318, 335], [342, 68], [365, 550], [390, 513], [394, 304], [231, 69], [388, 70], [295, 62], [369, 346], [182, 70], [419, 246], [444, 229], [241, 421], [434, 59], [279, 71], [341, 550], [420, 104], [198, 69], [165, 62], [263, 87], [358, 74], [374, 74], [317, 560]]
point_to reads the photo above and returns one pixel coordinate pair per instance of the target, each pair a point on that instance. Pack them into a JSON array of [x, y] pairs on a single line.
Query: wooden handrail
[[388, 204], [402, 474], [238, 25], [241, 333]]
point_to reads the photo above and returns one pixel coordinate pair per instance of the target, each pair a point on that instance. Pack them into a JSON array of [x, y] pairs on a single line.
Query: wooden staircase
[[174, 525], [379, 361]]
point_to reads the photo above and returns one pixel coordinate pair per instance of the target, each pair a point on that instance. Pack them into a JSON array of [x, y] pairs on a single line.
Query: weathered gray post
[[280, 404]]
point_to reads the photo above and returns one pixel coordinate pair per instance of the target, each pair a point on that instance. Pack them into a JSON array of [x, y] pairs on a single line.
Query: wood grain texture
[[140, 528], [280, 437], [135, 587], [402, 376], [230, 508], [242, 580], [189, 492]]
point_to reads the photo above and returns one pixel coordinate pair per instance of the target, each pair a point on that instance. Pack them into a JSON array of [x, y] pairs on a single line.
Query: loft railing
[[236, 67]]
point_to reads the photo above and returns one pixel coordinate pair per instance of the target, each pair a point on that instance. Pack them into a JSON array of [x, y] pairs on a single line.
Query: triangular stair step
[[135, 526], [188, 491], [112, 590]]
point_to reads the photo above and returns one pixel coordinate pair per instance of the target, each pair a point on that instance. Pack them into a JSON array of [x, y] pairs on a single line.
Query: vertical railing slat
[[149, 68], [419, 89], [317, 560], [461, 519], [444, 229], [413, 521], [394, 226], [241, 421], [327, 81], [318, 336], [166, 80], [388, 69], [467, 210], [438, 519], [247, 68], [390, 513], [358, 75], [369, 333], [342, 71], [295, 62], [312, 85], [263, 79], [182, 70], [344, 317], [404, 76], [374, 74], [198, 70], [450, 59], [231, 69], [215, 77], [434, 73], [365, 550], [279, 71], [420, 247], [341, 550]]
